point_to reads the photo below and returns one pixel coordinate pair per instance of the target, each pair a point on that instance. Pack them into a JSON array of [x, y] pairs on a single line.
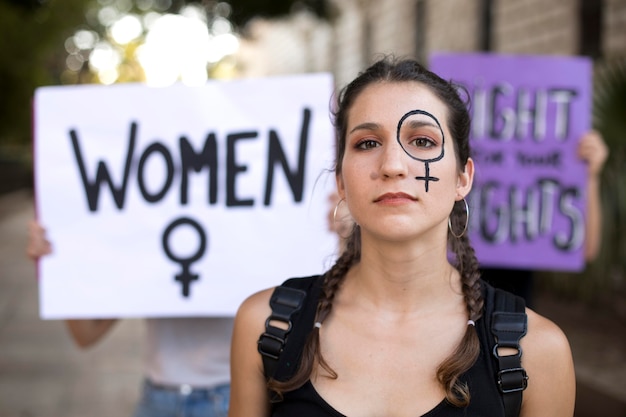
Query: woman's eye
[[422, 143], [367, 144]]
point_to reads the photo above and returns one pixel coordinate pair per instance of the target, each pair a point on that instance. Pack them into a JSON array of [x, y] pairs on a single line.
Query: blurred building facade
[[358, 31]]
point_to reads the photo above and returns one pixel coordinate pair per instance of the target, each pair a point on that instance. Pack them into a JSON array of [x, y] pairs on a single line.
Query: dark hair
[[391, 70]]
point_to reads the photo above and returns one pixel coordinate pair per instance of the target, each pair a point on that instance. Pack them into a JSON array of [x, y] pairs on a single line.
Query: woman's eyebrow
[[421, 123], [370, 126]]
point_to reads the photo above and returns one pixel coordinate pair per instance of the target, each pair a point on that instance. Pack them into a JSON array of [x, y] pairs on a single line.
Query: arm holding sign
[[186, 358], [594, 152], [85, 333]]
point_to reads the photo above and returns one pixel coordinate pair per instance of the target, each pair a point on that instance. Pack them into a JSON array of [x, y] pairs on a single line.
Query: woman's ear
[[466, 179], [340, 187]]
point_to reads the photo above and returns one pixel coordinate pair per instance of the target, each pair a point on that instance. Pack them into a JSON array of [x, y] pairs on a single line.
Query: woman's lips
[[394, 198]]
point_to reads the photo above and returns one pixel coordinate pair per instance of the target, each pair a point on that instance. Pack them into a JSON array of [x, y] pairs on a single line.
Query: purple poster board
[[528, 202]]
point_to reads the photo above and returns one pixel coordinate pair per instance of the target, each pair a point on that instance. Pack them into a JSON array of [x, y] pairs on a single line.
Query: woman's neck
[[401, 276]]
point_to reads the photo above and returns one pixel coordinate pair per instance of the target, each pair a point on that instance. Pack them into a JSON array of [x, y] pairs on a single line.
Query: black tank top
[[486, 400]]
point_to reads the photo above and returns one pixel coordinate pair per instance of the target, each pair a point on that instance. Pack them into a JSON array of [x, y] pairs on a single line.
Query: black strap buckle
[[512, 380], [285, 303], [270, 345]]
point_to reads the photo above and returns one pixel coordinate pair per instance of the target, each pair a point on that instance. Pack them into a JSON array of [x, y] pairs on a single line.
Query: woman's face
[[399, 172]]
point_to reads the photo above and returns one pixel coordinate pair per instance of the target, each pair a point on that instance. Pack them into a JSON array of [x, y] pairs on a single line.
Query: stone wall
[[452, 26], [535, 27], [361, 30], [614, 31]]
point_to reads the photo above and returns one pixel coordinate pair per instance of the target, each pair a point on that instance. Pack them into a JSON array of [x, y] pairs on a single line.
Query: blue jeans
[[184, 401]]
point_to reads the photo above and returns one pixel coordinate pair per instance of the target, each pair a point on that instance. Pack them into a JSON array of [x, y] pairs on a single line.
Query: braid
[[466, 263], [334, 277], [468, 349], [472, 289], [311, 352]]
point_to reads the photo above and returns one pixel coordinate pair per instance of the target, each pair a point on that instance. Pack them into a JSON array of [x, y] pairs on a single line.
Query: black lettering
[[92, 189], [487, 157], [167, 157], [192, 160], [573, 240], [232, 169], [563, 98], [548, 188], [480, 115], [506, 116], [551, 159], [488, 212], [531, 112], [524, 214], [276, 155], [503, 112], [528, 214]]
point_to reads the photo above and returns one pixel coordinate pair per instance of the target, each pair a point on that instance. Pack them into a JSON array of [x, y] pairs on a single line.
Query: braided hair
[[448, 373]]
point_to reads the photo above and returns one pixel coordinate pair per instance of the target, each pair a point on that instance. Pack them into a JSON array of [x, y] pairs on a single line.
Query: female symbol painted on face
[[185, 277], [421, 137]]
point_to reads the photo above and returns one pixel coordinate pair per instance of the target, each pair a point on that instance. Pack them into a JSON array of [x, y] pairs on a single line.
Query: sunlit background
[[143, 44]]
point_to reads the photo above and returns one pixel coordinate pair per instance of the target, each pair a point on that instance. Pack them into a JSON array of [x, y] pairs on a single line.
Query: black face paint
[[406, 137]]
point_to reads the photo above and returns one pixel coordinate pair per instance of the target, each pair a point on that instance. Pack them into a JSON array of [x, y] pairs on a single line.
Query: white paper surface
[[110, 256]]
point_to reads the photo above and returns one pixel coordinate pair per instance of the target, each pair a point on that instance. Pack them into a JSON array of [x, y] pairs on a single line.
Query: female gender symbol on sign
[[185, 277]]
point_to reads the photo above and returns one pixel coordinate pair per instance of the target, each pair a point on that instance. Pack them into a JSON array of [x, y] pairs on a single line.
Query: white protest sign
[[181, 201]]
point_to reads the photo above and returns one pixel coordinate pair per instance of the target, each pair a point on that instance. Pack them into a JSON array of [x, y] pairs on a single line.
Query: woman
[[396, 327]]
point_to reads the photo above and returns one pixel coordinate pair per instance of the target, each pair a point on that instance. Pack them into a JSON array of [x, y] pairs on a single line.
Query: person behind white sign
[[396, 328], [186, 359], [594, 152]]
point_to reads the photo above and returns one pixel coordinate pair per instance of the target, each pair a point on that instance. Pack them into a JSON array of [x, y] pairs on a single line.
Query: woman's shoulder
[[544, 336], [547, 358], [258, 304]]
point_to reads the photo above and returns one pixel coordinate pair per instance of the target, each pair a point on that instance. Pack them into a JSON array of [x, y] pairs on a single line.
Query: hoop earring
[[338, 226], [335, 211], [467, 211]]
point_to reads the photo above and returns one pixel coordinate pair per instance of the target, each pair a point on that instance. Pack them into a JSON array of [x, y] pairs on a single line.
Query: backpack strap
[[287, 302], [509, 325], [293, 310]]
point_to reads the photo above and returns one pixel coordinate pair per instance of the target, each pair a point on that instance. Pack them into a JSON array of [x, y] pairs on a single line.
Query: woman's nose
[[394, 161]]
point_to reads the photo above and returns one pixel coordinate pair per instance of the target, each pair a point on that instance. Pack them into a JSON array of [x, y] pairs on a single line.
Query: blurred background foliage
[[38, 52], [32, 48]]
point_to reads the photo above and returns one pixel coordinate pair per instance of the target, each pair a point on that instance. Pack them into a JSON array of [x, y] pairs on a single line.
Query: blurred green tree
[[33, 33], [32, 44]]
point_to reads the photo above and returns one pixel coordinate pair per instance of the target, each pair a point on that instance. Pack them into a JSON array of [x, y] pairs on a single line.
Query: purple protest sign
[[528, 203]]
